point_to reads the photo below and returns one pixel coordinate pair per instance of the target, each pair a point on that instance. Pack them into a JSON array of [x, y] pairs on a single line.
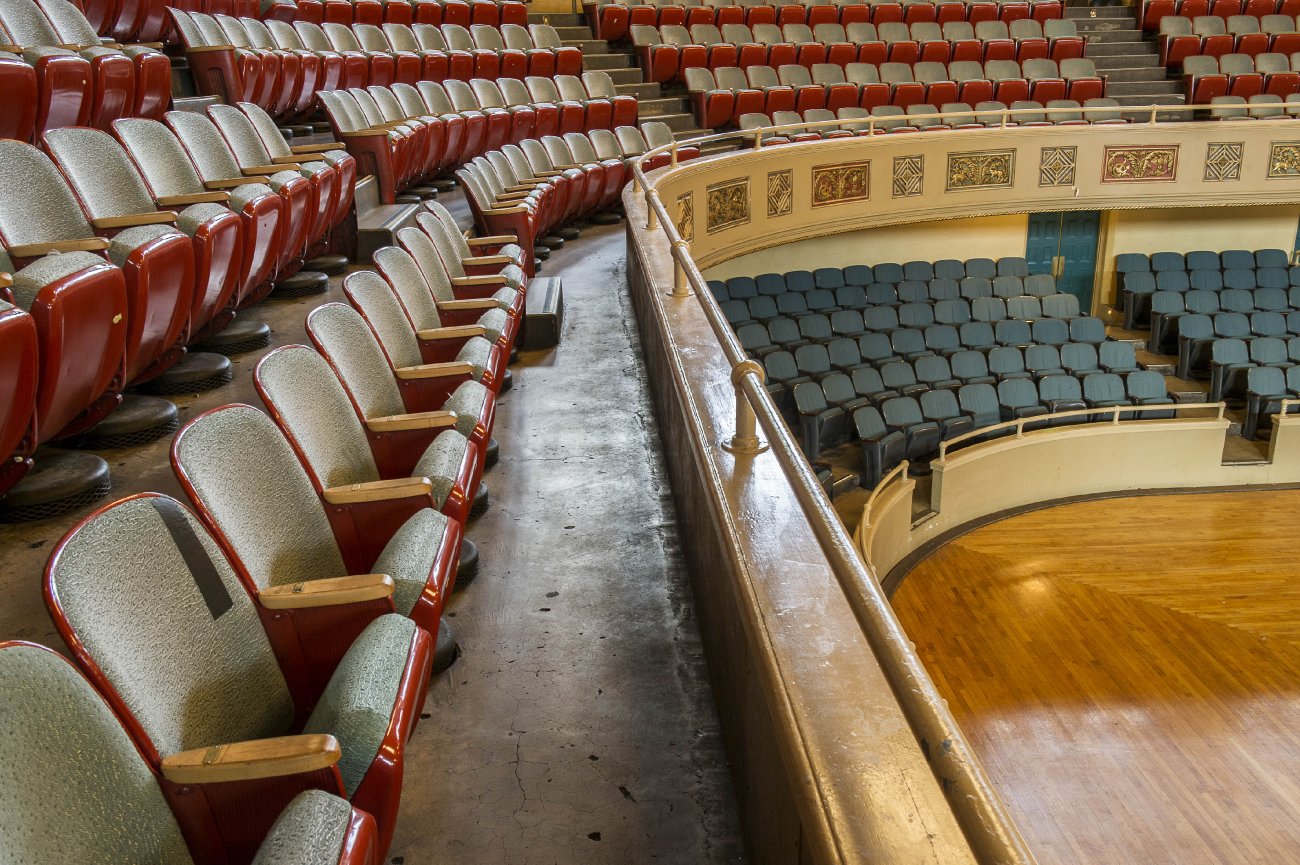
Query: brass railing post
[[650, 223], [746, 440], [681, 285]]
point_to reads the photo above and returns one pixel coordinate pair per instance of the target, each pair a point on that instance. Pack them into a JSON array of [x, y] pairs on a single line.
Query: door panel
[[1065, 245]]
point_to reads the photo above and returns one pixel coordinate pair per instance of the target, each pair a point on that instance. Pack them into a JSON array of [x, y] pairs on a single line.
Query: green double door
[[1065, 245]]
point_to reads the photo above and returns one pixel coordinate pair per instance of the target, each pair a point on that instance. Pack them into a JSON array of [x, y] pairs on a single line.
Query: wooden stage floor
[[1128, 671]]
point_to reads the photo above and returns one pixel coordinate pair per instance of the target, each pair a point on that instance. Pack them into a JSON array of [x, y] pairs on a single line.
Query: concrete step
[[1130, 75], [1114, 49], [675, 122], [588, 45], [557, 19], [197, 104], [1115, 34], [654, 109], [583, 32], [1091, 26], [1086, 12], [1139, 88], [1128, 61], [606, 61], [626, 76], [641, 91]]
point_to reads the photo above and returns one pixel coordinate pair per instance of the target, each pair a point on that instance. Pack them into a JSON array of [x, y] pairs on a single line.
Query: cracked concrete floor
[[578, 726]]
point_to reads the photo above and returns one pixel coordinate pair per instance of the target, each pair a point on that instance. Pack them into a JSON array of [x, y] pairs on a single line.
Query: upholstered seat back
[[72, 786], [36, 204], [159, 156], [378, 302], [240, 135], [203, 143], [308, 400], [156, 606], [103, 176], [343, 336], [244, 474]]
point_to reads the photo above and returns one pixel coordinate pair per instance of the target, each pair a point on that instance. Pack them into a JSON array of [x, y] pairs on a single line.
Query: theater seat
[[426, 394], [181, 656], [109, 808], [364, 483], [19, 361]]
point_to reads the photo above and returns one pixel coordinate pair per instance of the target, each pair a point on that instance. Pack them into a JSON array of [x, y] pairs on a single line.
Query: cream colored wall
[[987, 237], [562, 6], [1184, 230]]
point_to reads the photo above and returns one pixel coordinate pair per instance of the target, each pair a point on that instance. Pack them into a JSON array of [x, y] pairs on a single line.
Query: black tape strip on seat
[[202, 569]]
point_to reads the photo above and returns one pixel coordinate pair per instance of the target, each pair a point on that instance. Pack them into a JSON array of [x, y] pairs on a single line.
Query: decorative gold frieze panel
[[1284, 159], [686, 216], [1056, 166], [981, 169], [1223, 160], [728, 204], [909, 175], [780, 192], [836, 184], [1139, 164]]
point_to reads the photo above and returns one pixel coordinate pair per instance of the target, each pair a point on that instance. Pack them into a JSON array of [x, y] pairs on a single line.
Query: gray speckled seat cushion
[[280, 178], [244, 193], [357, 705], [310, 831], [505, 297], [468, 402], [494, 321], [334, 157], [128, 240], [196, 214], [31, 279], [441, 461], [408, 556], [73, 788], [476, 353], [514, 276]]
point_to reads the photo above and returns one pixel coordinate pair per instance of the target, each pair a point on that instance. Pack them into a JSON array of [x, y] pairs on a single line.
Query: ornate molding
[[1223, 160], [1284, 159], [909, 175], [728, 204], [686, 216], [981, 169], [1128, 164], [836, 184], [1056, 166], [780, 192]]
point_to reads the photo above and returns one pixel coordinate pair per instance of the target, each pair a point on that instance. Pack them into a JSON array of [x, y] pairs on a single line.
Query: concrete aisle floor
[[578, 725]]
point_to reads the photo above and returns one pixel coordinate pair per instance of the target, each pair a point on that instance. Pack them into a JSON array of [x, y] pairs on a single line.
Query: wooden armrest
[[524, 187], [366, 133], [501, 211], [377, 491], [290, 159], [160, 217], [327, 592], [84, 244], [6, 280], [232, 182], [486, 259], [256, 758], [481, 279], [316, 148], [217, 197], [552, 173], [472, 303], [264, 170], [460, 331], [492, 240], [416, 421], [516, 195], [436, 370], [203, 49]]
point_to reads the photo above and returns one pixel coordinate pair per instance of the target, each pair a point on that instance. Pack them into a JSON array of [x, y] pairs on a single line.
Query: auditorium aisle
[[578, 725]]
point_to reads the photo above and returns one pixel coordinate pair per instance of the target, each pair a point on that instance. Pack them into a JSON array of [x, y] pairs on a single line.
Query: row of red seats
[[492, 13], [1178, 41], [1240, 75], [281, 66], [716, 105], [612, 21], [115, 290], [405, 135], [55, 72], [663, 61], [1154, 10]]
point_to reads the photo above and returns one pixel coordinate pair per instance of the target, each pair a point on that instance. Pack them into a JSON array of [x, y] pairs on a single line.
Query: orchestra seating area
[[900, 357]]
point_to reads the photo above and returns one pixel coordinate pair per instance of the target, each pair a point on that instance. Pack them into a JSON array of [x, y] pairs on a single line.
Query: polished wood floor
[[1129, 673]]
